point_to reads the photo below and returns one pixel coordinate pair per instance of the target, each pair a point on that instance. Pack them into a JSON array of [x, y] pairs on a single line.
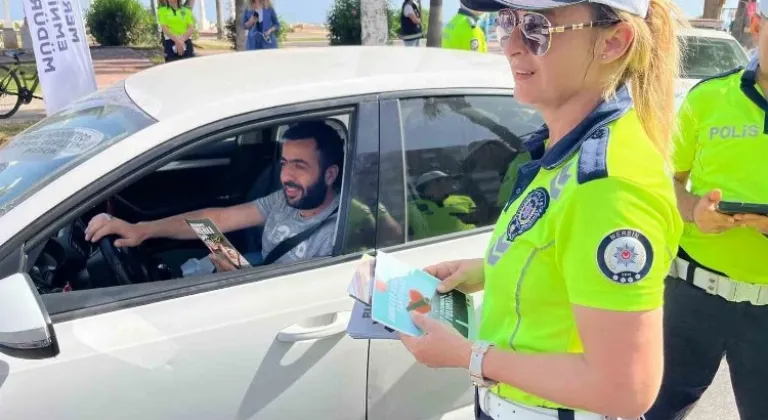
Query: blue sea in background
[[315, 11]]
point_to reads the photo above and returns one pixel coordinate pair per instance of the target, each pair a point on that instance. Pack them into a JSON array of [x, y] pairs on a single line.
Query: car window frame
[[38, 232], [396, 136]]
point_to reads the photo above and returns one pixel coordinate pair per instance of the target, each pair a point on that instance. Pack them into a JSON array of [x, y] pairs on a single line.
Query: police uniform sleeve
[[611, 245], [190, 17], [162, 16], [685, 137]]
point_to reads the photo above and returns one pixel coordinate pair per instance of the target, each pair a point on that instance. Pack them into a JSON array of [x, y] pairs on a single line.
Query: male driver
[[312, 156]]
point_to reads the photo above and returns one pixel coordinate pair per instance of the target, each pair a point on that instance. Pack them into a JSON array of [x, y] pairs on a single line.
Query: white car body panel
[[154, 353]]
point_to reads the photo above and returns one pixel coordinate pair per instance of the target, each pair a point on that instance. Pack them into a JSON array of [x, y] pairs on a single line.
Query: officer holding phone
[[716, 300]]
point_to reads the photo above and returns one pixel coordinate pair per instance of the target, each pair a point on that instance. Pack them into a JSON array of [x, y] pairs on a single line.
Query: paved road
[[718, 402]]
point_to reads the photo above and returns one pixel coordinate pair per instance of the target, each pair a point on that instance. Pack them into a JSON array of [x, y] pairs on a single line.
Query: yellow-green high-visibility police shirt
[[178, 20], [463, 32], [427, 218], [592, 221], [723, 143]]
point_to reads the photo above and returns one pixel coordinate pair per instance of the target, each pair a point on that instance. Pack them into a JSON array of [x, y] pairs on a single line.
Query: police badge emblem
[[625, 256], [533, 206]]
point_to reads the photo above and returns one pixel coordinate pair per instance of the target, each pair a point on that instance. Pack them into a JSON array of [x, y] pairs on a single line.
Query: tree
[[239, 30], [713, 9], [373, 22], [435, 32], [740, 21], [220, 19]]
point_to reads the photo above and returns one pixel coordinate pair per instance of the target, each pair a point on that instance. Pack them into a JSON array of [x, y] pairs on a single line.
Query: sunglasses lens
[[535, 37], [532, 30]]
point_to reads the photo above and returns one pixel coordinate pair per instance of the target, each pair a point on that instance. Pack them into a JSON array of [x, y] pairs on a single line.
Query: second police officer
[[716, 304]]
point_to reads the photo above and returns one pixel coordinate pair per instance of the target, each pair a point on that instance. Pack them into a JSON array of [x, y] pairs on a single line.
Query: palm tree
[[239, 31], [220, 19], [373, 22], [435, 30], [713, 8]]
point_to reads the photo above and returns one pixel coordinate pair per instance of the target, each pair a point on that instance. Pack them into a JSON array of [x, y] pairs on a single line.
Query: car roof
[[705, 33], [235, 83]]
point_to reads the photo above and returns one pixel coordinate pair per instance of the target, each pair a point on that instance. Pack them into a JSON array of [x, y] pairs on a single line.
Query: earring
[[603, 57]]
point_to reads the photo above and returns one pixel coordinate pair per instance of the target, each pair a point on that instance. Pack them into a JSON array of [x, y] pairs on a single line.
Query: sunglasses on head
[[536, 30]]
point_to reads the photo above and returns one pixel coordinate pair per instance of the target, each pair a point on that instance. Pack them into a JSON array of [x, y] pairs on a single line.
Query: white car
[[707, 53], [90, 332]]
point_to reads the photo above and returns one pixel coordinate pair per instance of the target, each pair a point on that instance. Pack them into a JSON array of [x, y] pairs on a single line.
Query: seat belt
[[288, 244]]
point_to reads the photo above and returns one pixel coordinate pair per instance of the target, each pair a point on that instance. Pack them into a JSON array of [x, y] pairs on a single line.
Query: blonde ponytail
[[651, 66]]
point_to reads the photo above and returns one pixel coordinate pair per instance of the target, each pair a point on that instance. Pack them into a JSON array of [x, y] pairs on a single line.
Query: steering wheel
[[126, 263]]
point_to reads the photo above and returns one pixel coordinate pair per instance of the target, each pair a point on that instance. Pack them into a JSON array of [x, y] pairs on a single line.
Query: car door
[[265, 343], [471, 137]]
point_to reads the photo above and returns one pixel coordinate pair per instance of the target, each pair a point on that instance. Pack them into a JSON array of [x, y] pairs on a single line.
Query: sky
[[314, 11]]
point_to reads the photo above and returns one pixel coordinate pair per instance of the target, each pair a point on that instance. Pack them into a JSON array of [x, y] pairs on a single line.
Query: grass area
[[306, 39], [10, 129], [157, 59], [212, 44]]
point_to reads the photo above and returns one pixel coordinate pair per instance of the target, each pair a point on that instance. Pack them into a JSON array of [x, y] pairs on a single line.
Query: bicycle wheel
[[10, 101]]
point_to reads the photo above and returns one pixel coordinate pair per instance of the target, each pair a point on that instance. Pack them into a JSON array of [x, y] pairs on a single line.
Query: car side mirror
[[26, 331]]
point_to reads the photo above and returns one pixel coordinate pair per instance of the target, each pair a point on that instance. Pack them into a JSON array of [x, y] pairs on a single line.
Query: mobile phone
[[733, 207]]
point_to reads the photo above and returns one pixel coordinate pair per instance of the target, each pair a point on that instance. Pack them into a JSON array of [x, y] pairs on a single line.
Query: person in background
[[178, 25], [262, 24], [438, 210], [716, 298], [573, 274], [464, 32], [410, 24]]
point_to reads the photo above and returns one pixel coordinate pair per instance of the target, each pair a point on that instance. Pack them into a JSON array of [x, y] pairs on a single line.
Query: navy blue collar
[[749, 87], [470, 15], [604, 113]]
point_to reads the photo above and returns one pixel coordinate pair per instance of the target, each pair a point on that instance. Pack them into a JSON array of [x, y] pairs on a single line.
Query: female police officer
[[573, 276]]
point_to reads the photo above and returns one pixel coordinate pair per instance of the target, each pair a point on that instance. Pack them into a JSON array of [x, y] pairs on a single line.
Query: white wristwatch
[[479, 349]]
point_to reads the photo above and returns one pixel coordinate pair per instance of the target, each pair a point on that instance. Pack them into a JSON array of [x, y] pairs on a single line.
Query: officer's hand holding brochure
[[386, 290], [212, 237]]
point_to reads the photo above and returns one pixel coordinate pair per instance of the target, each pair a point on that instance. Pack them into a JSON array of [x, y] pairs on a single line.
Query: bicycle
[[14, 81]]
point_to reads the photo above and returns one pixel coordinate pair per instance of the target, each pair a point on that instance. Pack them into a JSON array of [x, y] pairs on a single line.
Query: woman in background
[[262, 24]]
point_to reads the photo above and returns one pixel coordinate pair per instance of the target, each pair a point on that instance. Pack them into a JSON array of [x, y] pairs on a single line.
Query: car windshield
[[64, 140], [707, 57]]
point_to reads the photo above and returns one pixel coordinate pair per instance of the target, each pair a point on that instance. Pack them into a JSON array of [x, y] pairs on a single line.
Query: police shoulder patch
[[531, 209], [625, 256], [474, 44]]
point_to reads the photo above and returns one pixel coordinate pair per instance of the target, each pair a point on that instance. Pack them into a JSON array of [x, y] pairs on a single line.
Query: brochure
[[212, 237], [362, 281], [400, 288], [361, 326]]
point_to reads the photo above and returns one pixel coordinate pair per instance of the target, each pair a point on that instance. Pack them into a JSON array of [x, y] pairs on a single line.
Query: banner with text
[[61, 51]]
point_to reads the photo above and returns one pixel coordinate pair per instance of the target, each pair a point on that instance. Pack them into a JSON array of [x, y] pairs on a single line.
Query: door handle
[[295, 332]]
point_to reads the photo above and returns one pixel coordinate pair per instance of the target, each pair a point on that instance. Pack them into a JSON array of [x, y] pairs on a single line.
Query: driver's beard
[[311, 198]]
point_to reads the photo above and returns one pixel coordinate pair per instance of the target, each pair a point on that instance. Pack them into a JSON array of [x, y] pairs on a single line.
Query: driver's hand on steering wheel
[[103, 225]]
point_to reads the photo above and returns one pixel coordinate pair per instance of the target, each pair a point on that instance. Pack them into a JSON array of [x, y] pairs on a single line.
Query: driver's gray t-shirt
[[284, 221]]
